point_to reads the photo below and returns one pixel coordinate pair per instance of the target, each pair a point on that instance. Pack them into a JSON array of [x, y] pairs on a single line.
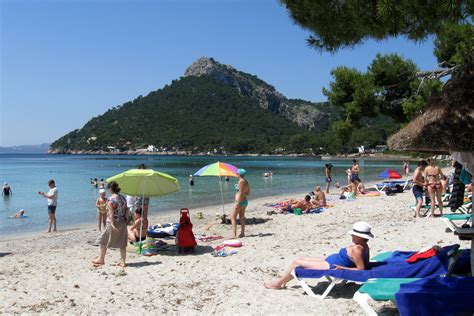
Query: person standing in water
[[52, 197], [241, 203], [328, 177], [6, 190]]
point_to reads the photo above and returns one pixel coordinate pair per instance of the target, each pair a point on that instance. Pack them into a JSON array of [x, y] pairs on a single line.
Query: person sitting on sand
[[101, 204], [347, 191], [319, 198], [20, 214], [139, 227], [353, 257], [360, 188]]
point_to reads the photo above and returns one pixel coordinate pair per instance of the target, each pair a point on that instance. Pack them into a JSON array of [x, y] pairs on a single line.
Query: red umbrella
[[390, 174]]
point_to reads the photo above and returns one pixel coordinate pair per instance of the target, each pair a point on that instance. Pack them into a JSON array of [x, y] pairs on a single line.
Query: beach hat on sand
[[241, 172], [361, 229]]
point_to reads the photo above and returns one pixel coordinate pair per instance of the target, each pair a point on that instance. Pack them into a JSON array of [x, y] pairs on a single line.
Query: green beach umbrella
[[145, 182]]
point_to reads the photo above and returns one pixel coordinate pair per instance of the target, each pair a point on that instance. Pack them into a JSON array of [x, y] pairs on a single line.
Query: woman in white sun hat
[[353, 257]]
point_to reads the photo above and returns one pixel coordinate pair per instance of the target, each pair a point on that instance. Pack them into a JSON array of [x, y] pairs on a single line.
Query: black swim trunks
[[355, 177], [51, 209]]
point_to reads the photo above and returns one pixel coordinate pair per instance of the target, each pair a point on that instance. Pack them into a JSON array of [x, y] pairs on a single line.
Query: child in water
[[20, 214], [101, 205]]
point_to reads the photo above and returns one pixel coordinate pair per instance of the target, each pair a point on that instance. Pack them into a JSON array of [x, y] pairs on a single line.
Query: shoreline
[[366, 156]]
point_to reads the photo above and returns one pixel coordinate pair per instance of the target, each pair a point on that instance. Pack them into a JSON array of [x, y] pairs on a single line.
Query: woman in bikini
[[433, 176], [241, 203], [353, 257]]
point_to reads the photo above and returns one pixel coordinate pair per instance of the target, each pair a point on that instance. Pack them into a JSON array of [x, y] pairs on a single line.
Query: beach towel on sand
[[393, 267]]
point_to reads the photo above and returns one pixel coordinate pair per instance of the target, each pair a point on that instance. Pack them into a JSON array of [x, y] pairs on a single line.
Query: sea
[[29, 173]]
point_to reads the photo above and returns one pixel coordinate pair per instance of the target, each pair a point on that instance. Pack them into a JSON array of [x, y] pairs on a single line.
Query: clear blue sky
[[63, 62]]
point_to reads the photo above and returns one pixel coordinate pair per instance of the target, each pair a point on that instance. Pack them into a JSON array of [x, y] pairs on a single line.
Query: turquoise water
[[28, 174]]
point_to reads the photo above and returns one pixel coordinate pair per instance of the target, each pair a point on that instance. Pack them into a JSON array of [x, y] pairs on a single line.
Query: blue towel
[[394, 267], [436, 296]]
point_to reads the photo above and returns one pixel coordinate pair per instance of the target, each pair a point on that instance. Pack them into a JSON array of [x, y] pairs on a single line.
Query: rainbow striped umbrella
[[218, 169]]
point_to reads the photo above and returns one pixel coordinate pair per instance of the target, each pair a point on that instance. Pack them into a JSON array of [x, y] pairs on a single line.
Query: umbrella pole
[[141, 224], [222, 196]]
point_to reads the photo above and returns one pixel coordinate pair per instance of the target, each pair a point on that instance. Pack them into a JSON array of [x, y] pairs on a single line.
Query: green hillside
[[193, 113]]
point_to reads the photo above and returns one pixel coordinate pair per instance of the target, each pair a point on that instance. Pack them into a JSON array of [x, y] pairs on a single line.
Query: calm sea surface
[[28, 173]]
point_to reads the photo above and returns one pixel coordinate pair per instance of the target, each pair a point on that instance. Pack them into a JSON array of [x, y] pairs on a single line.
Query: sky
[[64, 62]]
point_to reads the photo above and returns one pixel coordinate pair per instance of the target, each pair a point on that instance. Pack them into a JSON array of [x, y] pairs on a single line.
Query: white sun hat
[[101, 191], [361, 229]]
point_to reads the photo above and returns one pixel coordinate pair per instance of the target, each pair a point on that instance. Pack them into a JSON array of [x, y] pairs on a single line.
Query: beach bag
[[185, 240]]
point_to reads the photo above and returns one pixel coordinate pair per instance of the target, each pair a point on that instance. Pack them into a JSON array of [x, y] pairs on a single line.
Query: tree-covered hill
[[193, 113], [216, 106]]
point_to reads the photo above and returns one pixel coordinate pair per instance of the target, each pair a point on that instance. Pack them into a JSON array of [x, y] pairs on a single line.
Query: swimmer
[[20, 214]]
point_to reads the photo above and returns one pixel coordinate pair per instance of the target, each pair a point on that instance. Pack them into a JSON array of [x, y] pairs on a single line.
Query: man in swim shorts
[[241, 202], [52, 197], [355, 169], [419, 185]]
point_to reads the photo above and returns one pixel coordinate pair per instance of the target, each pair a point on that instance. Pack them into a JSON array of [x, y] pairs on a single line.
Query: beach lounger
[[449, 219], [393, 267], [405, 184], [384, 289], [378, 290]]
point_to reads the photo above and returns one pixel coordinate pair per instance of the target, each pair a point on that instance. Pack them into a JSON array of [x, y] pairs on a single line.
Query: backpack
[[185, 240]]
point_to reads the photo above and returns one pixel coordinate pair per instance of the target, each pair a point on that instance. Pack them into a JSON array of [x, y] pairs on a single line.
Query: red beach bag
[[185, 240]]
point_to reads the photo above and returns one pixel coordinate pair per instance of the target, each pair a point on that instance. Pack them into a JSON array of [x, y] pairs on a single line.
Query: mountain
[[25, 149], [213, 106], [310, 115]]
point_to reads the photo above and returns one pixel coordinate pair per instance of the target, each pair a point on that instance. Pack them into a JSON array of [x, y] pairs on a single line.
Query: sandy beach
[[53, 274]]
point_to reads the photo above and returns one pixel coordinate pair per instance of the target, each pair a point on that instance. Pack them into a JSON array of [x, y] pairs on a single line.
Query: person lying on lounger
[[353, 257]]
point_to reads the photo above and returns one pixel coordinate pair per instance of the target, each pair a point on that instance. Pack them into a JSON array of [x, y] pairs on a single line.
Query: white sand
[[52, 273]]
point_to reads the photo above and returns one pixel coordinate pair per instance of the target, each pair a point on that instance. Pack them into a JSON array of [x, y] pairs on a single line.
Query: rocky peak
[[205, 66], [305, 114]]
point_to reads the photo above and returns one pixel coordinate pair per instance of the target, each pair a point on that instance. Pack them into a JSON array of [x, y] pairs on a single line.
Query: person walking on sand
[[101, 204], [418, 185], [6, 190], [328, 177], [115, 234], [52, 197], [241, 202]]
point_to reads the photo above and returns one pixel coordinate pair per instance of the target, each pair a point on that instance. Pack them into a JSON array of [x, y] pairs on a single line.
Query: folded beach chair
[[449, 220], [384, 289], [393, 267]]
